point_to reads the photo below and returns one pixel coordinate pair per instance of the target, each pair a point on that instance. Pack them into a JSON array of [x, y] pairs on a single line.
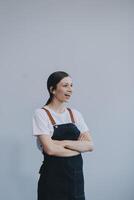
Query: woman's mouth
[[67, 95]]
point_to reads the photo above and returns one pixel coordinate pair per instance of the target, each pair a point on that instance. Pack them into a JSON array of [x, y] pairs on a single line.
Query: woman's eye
[[67, 85]]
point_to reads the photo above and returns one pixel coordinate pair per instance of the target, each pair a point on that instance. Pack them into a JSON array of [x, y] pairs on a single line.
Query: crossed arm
[[83, 144], [66, 147]]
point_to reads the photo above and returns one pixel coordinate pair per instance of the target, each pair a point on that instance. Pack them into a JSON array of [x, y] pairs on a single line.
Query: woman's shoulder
[[75, 110], [39, 112], [79, 119], [77, 113]]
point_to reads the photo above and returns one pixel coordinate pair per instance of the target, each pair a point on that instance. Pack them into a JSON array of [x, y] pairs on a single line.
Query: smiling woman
[[63, 90], [63, 136], [59, 85]]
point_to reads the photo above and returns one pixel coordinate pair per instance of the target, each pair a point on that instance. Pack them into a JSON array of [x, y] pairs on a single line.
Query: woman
[[62, 135]]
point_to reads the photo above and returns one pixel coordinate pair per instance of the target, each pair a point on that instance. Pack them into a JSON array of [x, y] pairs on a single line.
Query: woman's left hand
[[83, 137]]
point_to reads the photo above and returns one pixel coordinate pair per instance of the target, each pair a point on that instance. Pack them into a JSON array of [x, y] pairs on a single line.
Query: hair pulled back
[[52, 82]]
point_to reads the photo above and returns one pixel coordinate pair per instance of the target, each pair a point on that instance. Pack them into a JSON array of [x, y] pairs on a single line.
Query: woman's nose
[[70, 90]]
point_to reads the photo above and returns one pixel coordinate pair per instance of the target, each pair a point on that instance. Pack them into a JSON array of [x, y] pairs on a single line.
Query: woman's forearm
[[59, 150], [77, 145], [59, 142], [81, 146]]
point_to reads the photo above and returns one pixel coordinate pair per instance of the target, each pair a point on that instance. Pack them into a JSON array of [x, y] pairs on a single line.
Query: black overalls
[[61, 178]]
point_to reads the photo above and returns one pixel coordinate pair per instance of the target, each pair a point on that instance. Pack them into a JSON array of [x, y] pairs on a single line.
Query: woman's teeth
[[67, 95]]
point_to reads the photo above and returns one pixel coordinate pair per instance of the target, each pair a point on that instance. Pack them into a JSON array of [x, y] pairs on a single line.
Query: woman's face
[[64, 89]]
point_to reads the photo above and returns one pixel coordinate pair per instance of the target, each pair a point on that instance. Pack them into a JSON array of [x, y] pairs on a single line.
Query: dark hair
[[53, 80]]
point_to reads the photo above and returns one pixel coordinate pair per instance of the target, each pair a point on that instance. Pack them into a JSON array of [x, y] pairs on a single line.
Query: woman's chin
[[65, 100]]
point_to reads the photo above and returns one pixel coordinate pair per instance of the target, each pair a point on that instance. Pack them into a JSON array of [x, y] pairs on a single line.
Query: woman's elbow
[[48, 151], [91, 146], [91, 149]]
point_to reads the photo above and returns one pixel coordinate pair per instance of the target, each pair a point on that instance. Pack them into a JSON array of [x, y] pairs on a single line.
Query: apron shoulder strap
[[71, 115], [53, 121], [50, 116]]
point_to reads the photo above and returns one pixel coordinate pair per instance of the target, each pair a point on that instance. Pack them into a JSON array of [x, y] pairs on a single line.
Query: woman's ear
[[52, 90]]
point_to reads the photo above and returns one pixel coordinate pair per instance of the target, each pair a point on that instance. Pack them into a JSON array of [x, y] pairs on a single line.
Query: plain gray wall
[[92, 40]]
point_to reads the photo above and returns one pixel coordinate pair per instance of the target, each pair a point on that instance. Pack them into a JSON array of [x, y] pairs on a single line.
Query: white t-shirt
[[43, 125]]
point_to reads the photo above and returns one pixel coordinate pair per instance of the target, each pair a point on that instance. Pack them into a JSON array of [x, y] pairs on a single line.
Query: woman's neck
[[57, 106]]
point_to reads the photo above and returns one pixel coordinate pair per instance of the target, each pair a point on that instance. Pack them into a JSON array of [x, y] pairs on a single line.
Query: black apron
[[61, 178]]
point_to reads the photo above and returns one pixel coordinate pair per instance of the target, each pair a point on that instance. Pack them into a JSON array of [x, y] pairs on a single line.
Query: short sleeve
[[80, 122], [40, 123]]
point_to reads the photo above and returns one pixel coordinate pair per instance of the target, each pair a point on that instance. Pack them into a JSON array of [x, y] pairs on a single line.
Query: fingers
[[83, 137]]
